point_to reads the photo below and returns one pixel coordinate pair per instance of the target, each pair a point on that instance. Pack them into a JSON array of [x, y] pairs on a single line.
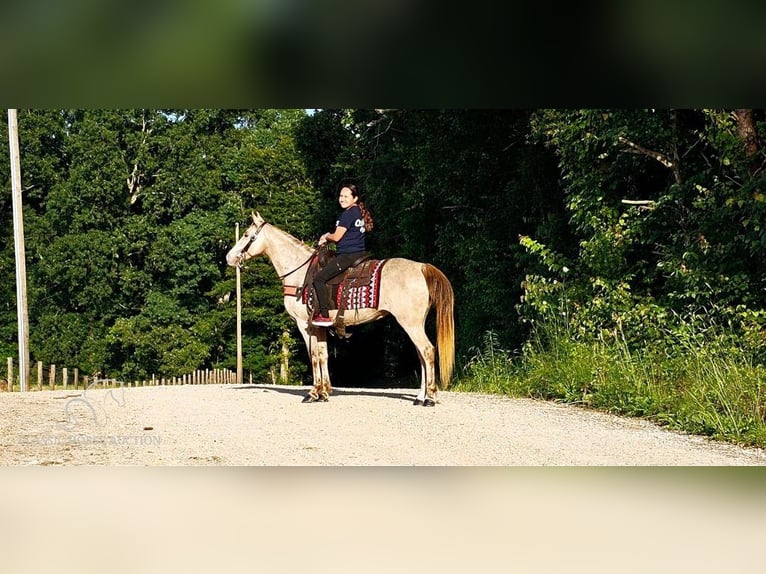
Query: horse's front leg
[[319, 365]]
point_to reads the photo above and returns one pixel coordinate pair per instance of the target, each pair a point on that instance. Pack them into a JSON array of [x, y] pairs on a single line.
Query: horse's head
[[249, 245]]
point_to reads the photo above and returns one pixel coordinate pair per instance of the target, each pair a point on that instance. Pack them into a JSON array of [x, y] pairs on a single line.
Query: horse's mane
[[294, 240]]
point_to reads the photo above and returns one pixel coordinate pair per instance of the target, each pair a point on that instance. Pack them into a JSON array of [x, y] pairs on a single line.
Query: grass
[[698, 387]]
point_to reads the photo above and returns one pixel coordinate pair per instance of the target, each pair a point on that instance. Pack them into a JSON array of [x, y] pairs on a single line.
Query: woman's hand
[[335, 236]]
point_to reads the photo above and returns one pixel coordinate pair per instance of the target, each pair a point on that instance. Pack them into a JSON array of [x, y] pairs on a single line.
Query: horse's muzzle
[[235, 259]]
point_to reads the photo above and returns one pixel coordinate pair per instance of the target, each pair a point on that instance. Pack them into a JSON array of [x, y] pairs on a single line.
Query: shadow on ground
[[302, 391]]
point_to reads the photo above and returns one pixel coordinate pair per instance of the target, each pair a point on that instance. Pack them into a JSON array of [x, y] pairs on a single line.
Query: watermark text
[[88, 439]]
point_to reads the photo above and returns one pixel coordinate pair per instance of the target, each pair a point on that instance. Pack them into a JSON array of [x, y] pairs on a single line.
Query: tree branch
[[660, 157], [134, 179], [643, 204]]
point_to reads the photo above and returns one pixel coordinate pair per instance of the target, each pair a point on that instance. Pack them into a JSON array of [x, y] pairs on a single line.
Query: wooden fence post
[[64, 376], [10, 374], [52, 378], [39, 375], [76, 377]]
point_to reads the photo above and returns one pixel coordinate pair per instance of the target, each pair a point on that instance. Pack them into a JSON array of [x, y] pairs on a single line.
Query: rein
[[313, 253], [254, 236], [295, 290]]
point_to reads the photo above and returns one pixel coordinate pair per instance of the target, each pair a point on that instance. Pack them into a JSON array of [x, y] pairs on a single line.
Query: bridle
[[251, 240], [254, 236]]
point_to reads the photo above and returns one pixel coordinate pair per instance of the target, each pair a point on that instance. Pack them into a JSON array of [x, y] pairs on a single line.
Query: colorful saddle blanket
[[355, 288]]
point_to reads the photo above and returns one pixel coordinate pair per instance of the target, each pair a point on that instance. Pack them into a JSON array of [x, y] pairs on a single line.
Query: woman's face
[[346, 199]]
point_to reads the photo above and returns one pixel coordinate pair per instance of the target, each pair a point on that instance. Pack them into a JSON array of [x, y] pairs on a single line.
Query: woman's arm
[[335, 236]]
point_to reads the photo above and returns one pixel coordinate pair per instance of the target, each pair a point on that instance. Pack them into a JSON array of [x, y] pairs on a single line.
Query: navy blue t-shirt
[[353, 240]]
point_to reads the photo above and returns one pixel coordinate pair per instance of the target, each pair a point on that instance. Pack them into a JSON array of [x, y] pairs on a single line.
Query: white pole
[[21, 267], [239, 316]]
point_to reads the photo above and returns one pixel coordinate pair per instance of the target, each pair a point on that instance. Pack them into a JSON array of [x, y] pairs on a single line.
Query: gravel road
[[267, 425]]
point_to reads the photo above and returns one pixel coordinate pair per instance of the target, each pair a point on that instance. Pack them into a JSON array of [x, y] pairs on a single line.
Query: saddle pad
[[364, 296], [361, 296]]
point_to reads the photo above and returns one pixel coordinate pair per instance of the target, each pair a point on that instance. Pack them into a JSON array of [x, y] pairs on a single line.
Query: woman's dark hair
[[366, 215]]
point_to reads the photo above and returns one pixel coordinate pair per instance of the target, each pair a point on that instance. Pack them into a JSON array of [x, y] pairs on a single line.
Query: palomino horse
[[408, 290]]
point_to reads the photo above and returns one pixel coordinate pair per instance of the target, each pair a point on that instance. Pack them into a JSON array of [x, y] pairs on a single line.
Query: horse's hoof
[[429, 403], [417, 402], [309, 399]]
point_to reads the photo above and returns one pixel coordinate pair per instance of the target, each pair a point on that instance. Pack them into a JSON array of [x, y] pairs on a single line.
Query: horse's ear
[[256, 217]]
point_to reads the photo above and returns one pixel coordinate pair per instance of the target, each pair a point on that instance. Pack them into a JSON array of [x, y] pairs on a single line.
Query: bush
[[701, 384]]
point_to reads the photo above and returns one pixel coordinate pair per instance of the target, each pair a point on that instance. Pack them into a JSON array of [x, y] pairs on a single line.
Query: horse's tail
[[442, 298]]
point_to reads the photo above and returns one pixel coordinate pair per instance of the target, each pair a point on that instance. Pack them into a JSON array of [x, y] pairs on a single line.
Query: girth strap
[[292, 290]]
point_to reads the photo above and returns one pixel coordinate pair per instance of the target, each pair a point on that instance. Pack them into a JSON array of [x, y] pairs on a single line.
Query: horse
[[408, 291]]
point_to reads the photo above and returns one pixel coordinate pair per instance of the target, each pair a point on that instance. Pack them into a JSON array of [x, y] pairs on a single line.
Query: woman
[[349, 236]]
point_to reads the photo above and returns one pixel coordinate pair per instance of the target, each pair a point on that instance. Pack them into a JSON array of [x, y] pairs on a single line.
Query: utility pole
[[239, 316], [21, 266]]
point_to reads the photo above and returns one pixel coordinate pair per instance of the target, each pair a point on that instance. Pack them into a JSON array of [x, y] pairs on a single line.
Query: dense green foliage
[[654, 308], [629, 230], [128, 216]]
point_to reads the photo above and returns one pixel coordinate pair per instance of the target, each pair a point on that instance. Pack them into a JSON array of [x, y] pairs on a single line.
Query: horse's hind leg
[[427, 356], [423, 376], [429, 374]]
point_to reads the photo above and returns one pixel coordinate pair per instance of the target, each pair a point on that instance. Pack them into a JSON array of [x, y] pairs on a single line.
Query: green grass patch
[[698, 387]]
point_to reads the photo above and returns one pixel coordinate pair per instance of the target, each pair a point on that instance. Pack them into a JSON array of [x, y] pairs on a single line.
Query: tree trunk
[[749, 135], [284, 366]]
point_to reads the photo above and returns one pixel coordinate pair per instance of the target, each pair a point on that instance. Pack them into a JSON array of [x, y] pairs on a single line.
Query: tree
[[130, 215], [692, 248]]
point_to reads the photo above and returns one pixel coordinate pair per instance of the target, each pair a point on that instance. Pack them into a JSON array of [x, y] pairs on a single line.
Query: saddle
[[360, 275]]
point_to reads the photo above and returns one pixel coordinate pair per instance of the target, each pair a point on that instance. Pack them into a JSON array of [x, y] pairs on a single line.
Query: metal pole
[[21, 267], [239, 316]]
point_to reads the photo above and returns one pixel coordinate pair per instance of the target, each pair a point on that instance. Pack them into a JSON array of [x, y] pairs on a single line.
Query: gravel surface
[[267, 425]]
